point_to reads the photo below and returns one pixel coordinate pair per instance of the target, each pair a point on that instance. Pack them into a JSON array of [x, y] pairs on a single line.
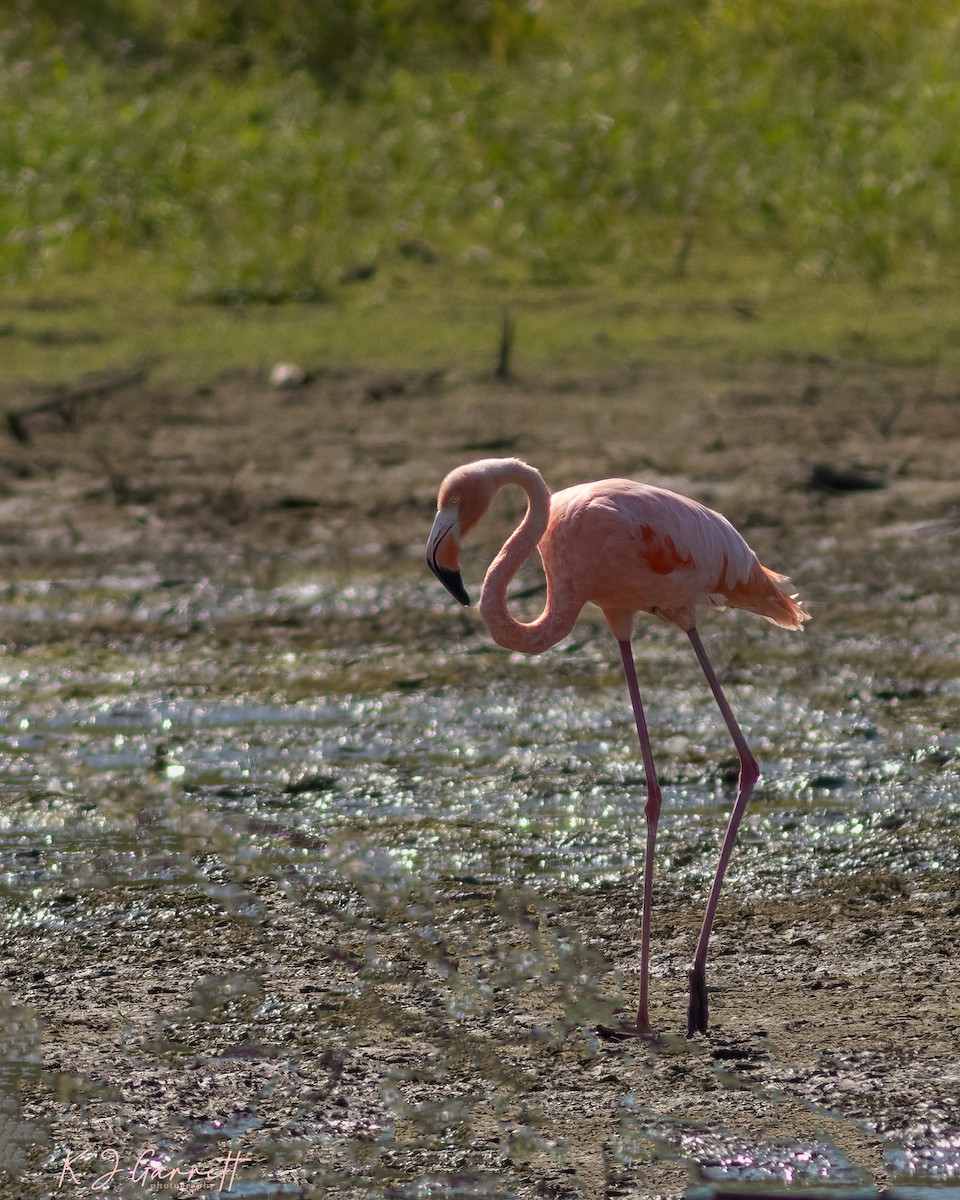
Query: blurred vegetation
[[256, 148], [337, 40]]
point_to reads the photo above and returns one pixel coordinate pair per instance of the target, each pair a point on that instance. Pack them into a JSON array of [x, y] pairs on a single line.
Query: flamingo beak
[[443, 554]]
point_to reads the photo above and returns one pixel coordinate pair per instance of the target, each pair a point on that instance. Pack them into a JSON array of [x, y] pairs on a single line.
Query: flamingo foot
[[697, 1008], [640, 1028]]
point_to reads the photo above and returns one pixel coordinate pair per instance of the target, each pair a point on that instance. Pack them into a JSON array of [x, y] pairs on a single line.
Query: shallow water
[[134, 745], [528, 778]]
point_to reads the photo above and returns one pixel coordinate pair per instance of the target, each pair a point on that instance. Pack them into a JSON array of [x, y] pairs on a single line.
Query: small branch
[[63, 402], [507, 328]]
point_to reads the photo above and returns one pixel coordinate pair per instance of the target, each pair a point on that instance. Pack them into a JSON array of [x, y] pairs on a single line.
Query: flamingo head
[[464, 497]]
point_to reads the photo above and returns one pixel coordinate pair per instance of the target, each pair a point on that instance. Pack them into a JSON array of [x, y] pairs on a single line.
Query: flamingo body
[[626, 547]]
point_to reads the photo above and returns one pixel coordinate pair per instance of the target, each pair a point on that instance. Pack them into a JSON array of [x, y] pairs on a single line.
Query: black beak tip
[[453, 582]]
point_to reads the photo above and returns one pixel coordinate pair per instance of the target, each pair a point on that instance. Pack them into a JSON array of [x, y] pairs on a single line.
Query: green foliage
[[647, 138], [337, 40]]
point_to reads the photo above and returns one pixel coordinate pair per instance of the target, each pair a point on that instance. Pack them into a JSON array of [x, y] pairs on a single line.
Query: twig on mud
[[885, 422], [119, 484], [64, 399]]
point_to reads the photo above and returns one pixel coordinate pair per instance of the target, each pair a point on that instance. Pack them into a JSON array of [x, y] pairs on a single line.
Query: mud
[[220, 938]]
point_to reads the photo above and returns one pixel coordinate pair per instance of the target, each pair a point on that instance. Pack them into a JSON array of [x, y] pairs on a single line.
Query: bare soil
[[835, 1016]]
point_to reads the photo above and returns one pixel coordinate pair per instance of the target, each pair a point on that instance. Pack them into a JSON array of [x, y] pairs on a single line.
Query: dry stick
[[885, 423], [507, 327], [63, 403]]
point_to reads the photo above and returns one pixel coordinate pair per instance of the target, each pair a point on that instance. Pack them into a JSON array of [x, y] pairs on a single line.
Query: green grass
[[416, 316], [639, 178]]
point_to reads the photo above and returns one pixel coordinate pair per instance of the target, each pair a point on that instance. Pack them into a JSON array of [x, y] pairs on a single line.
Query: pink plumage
[[636, 548], [627, 548]]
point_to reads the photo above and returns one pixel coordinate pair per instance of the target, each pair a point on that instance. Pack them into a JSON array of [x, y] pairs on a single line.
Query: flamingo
[[627, 548]]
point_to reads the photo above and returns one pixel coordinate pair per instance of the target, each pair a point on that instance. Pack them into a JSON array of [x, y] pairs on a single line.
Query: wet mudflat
[[299, 868]]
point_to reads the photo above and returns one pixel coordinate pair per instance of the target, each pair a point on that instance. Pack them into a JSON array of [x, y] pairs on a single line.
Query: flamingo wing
[[636, 547]]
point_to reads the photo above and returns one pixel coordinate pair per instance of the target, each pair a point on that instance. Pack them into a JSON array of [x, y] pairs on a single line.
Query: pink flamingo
[[627, 548]]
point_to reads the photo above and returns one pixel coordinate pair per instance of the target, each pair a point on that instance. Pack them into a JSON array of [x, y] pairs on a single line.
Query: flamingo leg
[[652, 813], [749, 773]]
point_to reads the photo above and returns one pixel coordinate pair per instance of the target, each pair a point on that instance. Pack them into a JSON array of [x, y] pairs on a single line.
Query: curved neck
[[560, 612]]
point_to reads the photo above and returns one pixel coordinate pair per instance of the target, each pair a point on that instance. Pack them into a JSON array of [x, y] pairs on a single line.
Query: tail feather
[[762, 593]]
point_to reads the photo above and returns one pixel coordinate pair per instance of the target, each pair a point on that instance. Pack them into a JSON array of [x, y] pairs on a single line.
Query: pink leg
[[749, 773], [642, 1027]]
